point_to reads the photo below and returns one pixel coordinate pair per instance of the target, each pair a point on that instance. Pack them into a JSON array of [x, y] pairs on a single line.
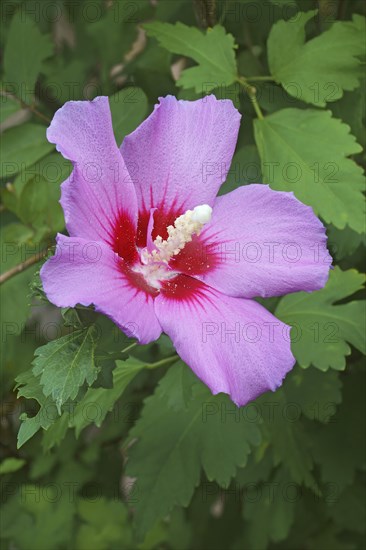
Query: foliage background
[[135, 452]]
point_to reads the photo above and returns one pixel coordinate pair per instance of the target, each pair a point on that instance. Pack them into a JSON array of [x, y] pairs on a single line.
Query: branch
[[251, 91], [23, 266]]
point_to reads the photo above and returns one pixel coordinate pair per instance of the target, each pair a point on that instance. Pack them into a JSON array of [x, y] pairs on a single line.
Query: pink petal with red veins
[[264, 243], [86, 272], [180, 155], [234, 346], [98, 198]]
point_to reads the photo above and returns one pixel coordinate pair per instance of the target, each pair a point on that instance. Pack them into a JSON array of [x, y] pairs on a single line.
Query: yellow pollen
[[179, 234]]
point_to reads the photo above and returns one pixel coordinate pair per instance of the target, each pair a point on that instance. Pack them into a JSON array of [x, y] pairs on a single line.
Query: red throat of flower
[[153, 267]]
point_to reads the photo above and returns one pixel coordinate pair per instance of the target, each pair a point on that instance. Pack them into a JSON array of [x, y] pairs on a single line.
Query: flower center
[[154, 265]]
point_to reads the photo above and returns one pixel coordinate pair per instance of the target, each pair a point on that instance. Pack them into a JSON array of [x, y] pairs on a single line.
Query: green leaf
[[102, 400], [56, 432], [113, 36], [36, 206], [128, 108], [344, 242], [25, 50], [214, 52], [322, 328], [65, 364], [104, 525], [351, 108], [53, 167], [32, 519], [284, 431], [339, 447], [271, 516], [22, 146], [319, 70], [245, 168], [178, 386], [314, 393], [8, 106], [16, 246], [10, 465], [65, 81], [29, 386], [209, 433], [348, 510], [298, 154]]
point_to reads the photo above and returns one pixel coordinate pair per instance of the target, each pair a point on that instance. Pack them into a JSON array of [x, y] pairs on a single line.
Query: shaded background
[[285, 472]]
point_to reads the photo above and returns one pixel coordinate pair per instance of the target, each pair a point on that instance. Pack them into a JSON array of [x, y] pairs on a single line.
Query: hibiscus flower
[[152, 247]]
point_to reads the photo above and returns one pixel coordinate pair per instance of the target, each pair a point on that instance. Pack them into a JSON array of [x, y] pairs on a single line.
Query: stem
[[36, 112], [162, 362], [23, 266], [267, 78], [26, 106], [125, 350], [251, 91]]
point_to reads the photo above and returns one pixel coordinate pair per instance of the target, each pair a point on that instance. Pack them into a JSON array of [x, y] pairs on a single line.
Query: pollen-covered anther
[[154, 265], [185, 226]]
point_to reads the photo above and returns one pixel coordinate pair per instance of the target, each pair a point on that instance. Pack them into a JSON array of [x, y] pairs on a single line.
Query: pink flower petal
[[262, 242], [98, 198], [86, 272], [234, 346], [180, 155]]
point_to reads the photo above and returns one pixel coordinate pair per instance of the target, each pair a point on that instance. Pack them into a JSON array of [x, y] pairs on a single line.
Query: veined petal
[[261, 242], [179, 156], [98, 198], [86, 272], [234, 346]]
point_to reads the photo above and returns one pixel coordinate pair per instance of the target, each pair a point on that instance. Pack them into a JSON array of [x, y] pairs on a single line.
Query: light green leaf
[[209, 433], [10, 465], [128, 108], [319, 70], [298, 154], [214, 52], [65, 364], [323, 329], [22, 146], [25, 50]]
